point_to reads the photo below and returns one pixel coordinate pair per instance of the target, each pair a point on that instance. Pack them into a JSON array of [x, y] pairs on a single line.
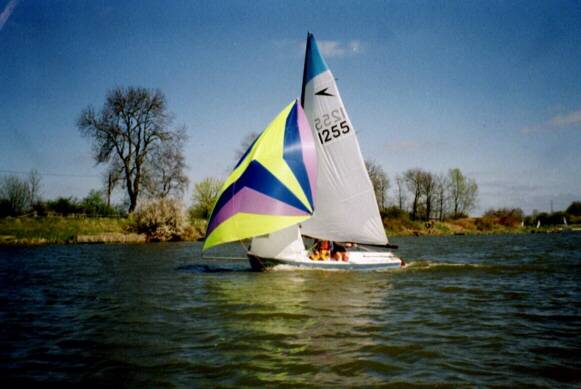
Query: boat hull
[[373, 262]]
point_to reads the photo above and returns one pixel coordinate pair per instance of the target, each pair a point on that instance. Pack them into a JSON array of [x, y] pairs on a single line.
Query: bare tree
[[112, 179], [380, 182], [400, 191], [165, 172], [442, 196], [34, 186], [246, 143], [463, 192], [15, 194], [428, 190], [132, 123], [413, 180]]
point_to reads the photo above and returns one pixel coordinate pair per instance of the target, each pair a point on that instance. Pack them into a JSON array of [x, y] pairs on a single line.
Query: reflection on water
[[467, 310]]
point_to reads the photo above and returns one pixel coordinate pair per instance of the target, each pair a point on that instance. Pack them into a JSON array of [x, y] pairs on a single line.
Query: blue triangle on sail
[[293, 153], [315, 63]]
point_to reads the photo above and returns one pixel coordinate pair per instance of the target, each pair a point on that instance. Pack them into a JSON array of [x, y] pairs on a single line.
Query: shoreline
[[134, 238]]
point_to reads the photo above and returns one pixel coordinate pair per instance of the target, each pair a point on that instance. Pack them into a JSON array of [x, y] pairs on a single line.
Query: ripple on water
[[466, 311]]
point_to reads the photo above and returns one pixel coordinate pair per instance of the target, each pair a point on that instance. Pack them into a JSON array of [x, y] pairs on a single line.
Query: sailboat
[[304, 176]]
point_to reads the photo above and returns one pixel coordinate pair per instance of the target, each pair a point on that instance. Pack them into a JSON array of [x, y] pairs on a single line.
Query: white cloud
[[337, 49], [406, 146], [5, 15], [329, 49], [568, 119], [565, 120]]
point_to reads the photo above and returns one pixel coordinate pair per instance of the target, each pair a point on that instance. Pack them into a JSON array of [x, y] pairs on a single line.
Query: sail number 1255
[[331, 126]]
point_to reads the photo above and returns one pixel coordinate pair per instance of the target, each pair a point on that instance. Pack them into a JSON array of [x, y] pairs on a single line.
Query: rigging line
[[2, 171], [217, 257]]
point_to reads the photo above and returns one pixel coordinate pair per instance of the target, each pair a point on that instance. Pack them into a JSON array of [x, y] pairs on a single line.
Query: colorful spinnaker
[[273, 186]]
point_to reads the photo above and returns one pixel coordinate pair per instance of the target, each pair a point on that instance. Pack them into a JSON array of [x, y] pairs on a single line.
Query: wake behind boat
[[303, 175]]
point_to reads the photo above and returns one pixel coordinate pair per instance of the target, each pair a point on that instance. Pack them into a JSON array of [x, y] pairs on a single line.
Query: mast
[[309, 35]]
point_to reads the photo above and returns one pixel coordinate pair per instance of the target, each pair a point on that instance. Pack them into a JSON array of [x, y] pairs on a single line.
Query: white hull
[[358, 260]]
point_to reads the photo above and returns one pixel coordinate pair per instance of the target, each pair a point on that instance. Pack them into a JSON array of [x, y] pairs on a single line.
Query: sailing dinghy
[[304, 175]]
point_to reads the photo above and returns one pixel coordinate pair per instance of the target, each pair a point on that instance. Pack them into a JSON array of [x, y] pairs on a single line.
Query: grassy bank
[[465, 226], [61, 230], [24, 231], [30, 231]]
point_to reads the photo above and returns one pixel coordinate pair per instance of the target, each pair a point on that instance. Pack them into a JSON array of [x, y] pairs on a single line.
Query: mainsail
[[272, 186], [345, 207]]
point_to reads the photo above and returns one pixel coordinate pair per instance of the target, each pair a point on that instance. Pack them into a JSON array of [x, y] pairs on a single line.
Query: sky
[[490, 87]]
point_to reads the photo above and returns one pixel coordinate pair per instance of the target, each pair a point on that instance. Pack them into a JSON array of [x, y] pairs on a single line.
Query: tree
[[131, 125], [400, 191], [205, 196], [413, 181], [380, 182], [442, 197], [247, 141], [428, 190], [15, 195], [463, 193], [165, 175], [95, 205], [34, 186], [112, 178], [574, 209]]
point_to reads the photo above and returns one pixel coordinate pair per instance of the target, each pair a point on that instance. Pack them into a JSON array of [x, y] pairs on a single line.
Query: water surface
[[482, 310]]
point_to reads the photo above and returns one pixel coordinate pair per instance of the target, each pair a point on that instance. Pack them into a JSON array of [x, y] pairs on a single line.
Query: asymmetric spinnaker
[[273, 184]]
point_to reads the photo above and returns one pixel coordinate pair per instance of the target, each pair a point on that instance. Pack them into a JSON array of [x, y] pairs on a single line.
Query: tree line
[[423, 194], [21, 196], [134, 137]]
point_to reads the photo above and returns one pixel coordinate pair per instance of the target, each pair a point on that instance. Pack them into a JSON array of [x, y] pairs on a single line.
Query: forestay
[[345, 207]]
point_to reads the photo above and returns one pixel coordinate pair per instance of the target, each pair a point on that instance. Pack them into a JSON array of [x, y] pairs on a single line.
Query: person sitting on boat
[[321, 250], [315, 252], [314, 255], [339, 252]]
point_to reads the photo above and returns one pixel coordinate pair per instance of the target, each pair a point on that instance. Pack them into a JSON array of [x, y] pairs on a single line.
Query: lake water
[[480, 310]]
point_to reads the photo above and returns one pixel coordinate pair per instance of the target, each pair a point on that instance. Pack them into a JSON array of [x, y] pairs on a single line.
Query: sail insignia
[[315, 63]]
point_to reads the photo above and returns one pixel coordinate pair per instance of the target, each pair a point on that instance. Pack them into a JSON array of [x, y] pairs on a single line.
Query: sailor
[[321, 250], [315, 254], [339, 252], [325, 250]]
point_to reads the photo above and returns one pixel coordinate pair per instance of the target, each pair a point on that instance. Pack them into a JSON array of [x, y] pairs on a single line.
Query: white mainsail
[[345, 207]]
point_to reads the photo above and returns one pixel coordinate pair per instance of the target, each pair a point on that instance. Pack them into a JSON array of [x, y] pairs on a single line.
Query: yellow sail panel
[[244, 225], [257, 149]]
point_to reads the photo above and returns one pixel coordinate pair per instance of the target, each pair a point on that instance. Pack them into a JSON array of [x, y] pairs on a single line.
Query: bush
[[485, 223], [554, 218], [574, 209], [394, 212], [505, 216], [5, 208], [160, 220], [95, 205], [64, 206]]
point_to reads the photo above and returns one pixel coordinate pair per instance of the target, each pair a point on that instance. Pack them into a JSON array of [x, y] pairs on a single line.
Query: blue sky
[[492, 88]]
